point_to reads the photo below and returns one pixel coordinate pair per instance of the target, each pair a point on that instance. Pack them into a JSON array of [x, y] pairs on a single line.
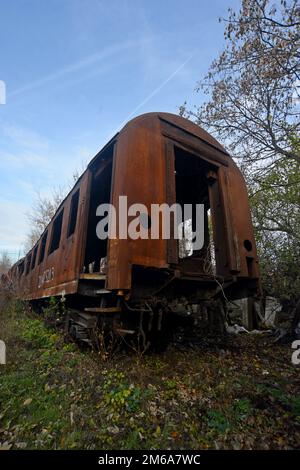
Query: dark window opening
[[28, 262], [56, 232], [73, 214], [96, 249], [248, 245], [249, 266], [21, 268], [34, 257], [43, 247]]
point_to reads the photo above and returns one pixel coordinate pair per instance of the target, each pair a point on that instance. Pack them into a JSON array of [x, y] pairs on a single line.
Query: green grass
[[54, 395]]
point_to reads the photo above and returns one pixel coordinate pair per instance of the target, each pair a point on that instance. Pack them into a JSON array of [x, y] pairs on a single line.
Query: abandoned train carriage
[[156, 158]]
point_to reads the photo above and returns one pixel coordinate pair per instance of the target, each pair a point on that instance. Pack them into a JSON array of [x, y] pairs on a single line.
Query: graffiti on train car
[[46, 277]]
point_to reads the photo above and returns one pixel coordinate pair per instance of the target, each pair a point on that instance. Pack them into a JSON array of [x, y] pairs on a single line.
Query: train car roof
[[182, 123]]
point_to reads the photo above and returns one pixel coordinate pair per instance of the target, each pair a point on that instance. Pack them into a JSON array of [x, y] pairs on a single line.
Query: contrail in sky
[[88, 61], [153, 93]]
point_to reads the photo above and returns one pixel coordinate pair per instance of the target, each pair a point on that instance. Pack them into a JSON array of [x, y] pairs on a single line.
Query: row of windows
[[55, 237]]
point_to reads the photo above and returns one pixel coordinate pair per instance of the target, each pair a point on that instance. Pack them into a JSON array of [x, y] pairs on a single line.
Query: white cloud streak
[[152, 94], [88, 61], [25, 138]]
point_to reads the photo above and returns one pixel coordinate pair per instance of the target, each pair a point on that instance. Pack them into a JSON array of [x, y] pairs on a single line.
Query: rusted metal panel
[[66, 288], [140, 174], [195, 143], [60, 269], [230, 234], [191, 128], [242, 223], [172, 245]]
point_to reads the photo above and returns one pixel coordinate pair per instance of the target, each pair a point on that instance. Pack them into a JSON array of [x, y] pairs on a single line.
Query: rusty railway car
[[141, 285]]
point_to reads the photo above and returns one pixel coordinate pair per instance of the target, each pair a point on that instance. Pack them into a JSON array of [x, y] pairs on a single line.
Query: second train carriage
[[132, 285]]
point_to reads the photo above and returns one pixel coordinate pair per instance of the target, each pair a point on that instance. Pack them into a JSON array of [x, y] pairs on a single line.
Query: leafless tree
[[253, 86], [5, 263], [44, 208]]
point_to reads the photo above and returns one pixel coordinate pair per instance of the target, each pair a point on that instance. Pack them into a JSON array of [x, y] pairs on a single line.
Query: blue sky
[[77, 70]]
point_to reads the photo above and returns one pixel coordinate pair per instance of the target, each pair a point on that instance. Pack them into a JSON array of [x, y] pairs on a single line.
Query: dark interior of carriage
[[96, 249]]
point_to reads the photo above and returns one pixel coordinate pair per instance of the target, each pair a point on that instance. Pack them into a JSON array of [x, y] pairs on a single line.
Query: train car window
[[100, 193], [73, 214], [34, 257], [21, 268], [28, 262], [43, 247], [56, 232]]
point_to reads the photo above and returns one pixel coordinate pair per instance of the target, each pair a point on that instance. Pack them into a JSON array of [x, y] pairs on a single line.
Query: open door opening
[[192, 188]]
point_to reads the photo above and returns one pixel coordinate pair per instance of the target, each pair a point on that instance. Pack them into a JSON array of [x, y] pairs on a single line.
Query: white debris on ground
[[272, 310], [237, 329]]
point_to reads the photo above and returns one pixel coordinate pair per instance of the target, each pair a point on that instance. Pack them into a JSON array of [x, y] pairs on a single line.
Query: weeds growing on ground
[[55, 395]]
